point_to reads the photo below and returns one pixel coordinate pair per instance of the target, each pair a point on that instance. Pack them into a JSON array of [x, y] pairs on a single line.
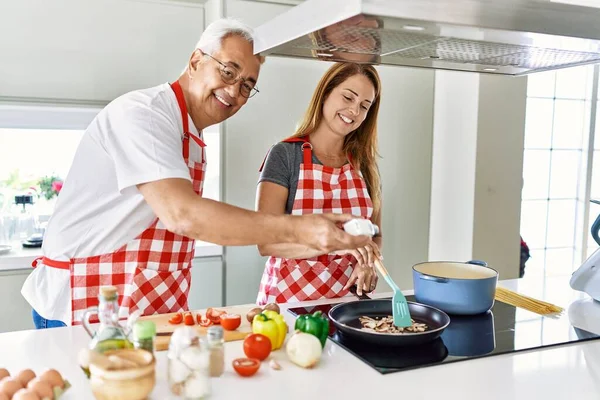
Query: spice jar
[[143, 335], [188, 364], [216, 341]]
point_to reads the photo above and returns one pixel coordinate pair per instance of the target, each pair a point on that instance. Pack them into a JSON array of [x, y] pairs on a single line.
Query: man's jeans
[[43, 323]]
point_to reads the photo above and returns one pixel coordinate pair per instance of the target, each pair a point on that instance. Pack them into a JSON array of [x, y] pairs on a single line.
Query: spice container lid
[[215, 333], [144, 329]]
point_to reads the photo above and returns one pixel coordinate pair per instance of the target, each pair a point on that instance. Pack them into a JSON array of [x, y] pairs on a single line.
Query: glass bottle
[[188, 364], [216, 344], [110, 334], [144, 333]]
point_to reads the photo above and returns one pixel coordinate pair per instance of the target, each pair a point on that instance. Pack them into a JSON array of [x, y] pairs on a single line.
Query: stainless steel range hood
[[508, 37]]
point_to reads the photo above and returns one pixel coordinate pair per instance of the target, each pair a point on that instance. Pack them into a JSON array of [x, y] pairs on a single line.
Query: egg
[[41, 388], [25, 376], [53, 377], [25, 394], [9, 386], [3, 373]]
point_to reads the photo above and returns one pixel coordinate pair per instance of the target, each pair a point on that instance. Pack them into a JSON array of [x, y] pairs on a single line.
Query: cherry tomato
[[214, 315], [246, 366], [203, 321], [176, 319], [230, 322], [257, 345], [188, 318]]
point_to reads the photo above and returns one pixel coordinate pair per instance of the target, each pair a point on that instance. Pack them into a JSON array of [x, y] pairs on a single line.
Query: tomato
[[176, 319], [214, 315], [203, 321], [246, 366], [188, 318], [230, 322], [257, 345]]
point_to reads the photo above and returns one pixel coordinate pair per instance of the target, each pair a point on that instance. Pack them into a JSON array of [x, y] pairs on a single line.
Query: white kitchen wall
[[91, 50], [405, 131], [477, 169]]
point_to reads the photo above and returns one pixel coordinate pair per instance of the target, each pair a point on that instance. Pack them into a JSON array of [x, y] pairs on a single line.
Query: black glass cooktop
[[503, 329]]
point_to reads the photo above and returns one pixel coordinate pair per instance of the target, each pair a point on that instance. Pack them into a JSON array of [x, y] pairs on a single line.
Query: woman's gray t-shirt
[[282, 167]]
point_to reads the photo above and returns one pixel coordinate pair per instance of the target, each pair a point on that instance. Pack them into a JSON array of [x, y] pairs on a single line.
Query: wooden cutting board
[[164, 329]]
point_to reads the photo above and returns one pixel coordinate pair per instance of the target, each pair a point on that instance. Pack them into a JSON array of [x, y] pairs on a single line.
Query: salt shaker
[[188, 364], [361, 226], [216, 341]]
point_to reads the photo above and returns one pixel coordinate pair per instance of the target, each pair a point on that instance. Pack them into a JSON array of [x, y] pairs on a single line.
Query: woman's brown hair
[[361, 144]]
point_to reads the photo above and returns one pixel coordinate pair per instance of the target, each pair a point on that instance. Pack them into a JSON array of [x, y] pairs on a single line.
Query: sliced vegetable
[[315, 324], [176, 319], [272, 325], [257, 345], [203, 321], [304, 349], [188, 318], [214, 315], [230, 322], [246, 366]]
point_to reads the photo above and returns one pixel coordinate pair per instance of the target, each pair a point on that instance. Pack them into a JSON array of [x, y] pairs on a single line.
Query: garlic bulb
[[304, 349]]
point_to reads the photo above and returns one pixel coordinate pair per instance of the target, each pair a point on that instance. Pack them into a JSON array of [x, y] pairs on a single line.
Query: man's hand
[[324, 232]]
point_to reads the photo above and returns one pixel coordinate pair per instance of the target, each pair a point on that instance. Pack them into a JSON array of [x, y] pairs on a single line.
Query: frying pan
[[344, 317]]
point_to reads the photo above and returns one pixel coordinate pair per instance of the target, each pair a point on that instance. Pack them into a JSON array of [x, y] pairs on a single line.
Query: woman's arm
[[271, 198]]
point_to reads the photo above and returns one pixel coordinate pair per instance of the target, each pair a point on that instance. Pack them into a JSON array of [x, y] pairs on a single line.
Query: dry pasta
[[528, 303]]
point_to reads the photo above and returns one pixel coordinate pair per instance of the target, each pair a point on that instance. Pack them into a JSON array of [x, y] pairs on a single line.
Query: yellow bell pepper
[[272, 325]]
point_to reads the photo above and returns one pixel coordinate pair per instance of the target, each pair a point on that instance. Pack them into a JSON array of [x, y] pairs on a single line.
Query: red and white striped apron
[[151, 272], [320, 190]]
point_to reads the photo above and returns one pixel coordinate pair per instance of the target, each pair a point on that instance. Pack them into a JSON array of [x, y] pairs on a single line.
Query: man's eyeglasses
[[230, 76]]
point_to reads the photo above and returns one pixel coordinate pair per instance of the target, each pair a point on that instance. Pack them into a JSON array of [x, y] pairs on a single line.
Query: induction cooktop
[[503, 329]]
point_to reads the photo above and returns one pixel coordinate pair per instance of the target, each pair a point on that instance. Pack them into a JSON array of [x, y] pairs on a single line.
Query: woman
[[328, 166]]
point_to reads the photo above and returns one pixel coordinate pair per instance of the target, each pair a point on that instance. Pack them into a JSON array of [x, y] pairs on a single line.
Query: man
[[131, 206]]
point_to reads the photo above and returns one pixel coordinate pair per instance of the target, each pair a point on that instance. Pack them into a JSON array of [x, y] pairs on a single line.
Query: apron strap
[[52, 263], [184, 119], [306, 148]]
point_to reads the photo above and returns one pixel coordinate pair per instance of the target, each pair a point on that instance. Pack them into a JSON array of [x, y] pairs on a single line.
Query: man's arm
[[185, 213]]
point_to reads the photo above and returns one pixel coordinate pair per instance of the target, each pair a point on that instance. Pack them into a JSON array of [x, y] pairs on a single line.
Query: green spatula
[[400, 310]]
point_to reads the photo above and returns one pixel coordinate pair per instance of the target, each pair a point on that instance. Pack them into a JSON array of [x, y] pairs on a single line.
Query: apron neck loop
[[185, 121]]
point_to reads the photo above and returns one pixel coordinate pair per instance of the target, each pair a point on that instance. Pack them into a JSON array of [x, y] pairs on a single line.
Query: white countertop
[[553, 373]]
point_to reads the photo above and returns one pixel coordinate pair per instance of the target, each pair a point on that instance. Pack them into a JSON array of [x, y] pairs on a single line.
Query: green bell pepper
[[315, 324]]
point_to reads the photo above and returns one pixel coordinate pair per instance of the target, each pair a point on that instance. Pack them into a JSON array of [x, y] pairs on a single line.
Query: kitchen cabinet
[[15, 312], [207, 283]]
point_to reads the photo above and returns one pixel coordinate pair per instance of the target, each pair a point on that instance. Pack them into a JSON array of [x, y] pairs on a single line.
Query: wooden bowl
[[124, 382]]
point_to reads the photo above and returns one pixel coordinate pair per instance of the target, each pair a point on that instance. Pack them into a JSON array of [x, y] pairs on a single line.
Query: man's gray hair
[[212, 37]]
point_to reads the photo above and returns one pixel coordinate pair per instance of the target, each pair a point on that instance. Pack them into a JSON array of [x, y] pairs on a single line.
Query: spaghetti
[[515, 299]]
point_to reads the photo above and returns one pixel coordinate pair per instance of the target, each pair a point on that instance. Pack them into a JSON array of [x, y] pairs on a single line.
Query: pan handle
[[434, 278], [478, 262], [363, 296]]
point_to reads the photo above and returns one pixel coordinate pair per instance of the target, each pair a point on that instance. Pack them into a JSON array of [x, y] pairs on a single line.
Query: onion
[[304, 349]]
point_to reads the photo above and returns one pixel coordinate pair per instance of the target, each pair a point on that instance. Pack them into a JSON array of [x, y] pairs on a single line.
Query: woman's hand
[[364, 255], [365, 278]]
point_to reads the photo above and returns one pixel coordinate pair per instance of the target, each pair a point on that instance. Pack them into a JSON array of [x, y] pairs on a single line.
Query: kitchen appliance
[[586, 278], [454, 287], [502, 330], [509, 37], [345, 317]]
